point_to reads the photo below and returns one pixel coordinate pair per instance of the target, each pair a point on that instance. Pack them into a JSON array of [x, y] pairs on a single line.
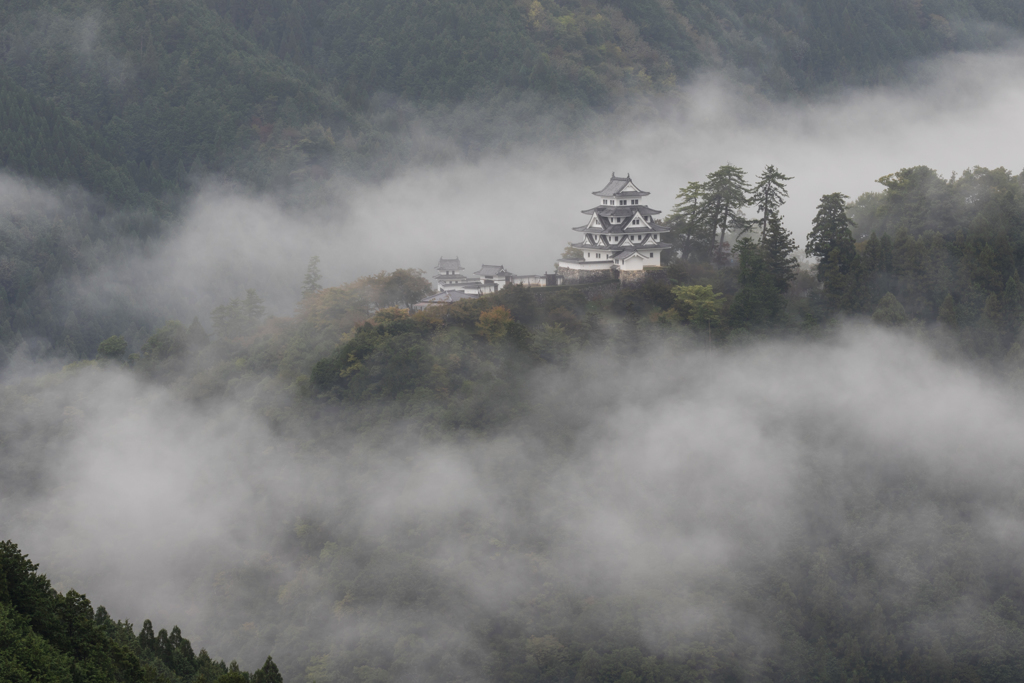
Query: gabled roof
[[493, 271], [621, 187], [629, 251], [449, 264], [642, 209], [622, 228]]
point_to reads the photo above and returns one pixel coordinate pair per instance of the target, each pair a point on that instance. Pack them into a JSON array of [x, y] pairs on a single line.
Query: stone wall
[[634, 278], [631, 278], [571, 276]]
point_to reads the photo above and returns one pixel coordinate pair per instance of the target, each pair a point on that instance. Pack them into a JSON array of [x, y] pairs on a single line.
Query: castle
[[621, 238], [622, 235]]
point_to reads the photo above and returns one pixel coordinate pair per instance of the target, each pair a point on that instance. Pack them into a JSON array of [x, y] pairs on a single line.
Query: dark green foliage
[[831, 242], [112, 348], [268, 673], [200, 96], [59, 633], [709, 210], [137, 103], [776, 244], [46, 636], [238, 317], [723, 196], [402, 287], [691, 237], [167, 342], [37, 139], [890, 312], [759, 301]]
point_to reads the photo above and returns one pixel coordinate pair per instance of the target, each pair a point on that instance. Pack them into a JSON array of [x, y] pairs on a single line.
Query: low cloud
[[699, 466], [516, 207], [684, 467]]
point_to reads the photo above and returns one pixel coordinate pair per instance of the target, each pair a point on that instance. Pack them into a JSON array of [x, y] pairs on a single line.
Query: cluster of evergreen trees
[[924, 251], [938, 251], [59, 638]]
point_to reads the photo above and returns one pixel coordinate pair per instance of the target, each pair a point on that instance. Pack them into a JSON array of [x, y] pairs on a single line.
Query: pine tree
[[832, 243], [311, 284], [268, 674], [777, 247], [692, 237], [948, 313], [890, 312], [768, 196], [723, 197], [253, 306]]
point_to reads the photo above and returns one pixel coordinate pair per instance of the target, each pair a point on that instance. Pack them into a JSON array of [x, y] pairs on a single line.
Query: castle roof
[[609, 211], [632, 252], [449, 264], [621, 187], [606, 226], [493, 271]]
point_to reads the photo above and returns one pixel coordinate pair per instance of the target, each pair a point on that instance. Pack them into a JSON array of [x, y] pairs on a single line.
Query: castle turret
[[449, 272]]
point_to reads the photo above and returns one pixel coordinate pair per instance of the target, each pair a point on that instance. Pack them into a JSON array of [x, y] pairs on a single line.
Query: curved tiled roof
[[615, 188], [493, 271], [449, 264], [642, 209]]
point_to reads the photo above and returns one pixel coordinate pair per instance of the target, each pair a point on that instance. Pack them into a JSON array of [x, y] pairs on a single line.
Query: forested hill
[[593, 51], [132, 100], [59, 638]]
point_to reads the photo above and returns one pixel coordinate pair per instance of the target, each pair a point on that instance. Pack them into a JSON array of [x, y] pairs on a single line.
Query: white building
[[621, 234], [449, 273], [489, 279]]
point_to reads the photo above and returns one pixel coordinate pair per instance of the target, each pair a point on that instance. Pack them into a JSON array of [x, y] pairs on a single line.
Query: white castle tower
[[622, 234]]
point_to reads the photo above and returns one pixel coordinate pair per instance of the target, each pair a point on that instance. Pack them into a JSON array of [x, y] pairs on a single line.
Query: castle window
[[622, 202]]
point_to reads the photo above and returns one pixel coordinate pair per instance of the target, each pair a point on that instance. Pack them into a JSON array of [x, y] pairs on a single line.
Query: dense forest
[[59, 638], [133, 101]]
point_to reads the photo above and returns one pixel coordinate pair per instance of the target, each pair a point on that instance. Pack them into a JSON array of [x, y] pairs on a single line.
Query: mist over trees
[[138, 104], [789, 453]]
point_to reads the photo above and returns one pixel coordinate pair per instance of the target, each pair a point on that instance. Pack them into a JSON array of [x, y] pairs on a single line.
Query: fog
[[516, 206], [691, 468], [682, 467]]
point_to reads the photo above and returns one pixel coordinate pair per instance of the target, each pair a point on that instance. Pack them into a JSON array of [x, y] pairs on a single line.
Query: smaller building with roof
[[449, 272]]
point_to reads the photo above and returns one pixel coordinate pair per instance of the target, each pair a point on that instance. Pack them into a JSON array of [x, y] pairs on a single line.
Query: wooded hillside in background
[[131, 99]]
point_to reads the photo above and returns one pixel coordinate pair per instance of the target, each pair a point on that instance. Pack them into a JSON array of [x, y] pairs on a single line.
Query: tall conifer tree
[[832, 243]]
